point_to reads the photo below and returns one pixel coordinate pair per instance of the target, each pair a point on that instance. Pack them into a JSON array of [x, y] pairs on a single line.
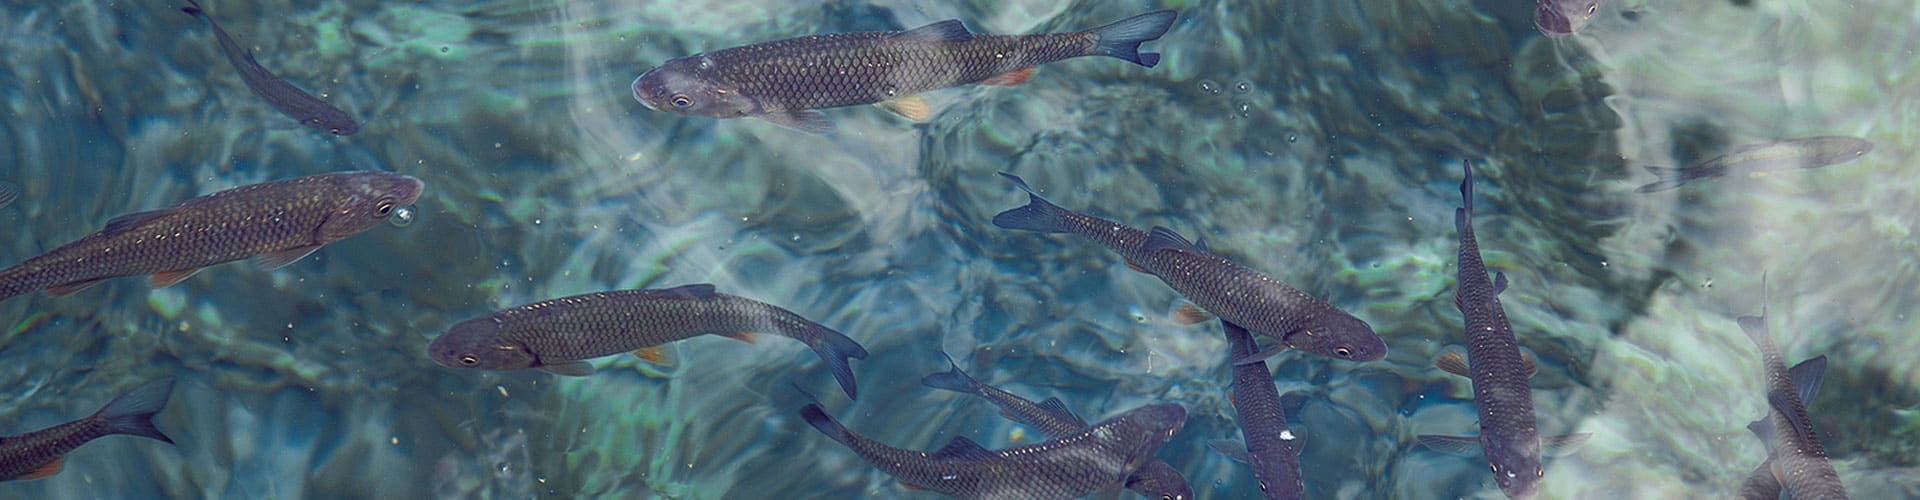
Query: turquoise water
[[1316, 141]]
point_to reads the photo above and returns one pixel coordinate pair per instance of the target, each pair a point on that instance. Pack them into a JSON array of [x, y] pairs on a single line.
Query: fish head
[[476, 343], [1557, 18], [1160, 486], [1338, 335], [1145, 430], [680, 86], [1517, 466], [369, 199], [332, 121]]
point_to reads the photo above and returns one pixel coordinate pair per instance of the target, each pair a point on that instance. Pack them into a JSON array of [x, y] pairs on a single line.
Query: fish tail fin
[[193, 9], [953, 379], [1039, 215], [818, 418], [132, 413], [1122, 38], [834, 348], [1669, 178]]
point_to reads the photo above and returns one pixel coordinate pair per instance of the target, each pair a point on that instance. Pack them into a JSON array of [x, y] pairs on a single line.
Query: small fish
[[1508, 436], [1155, 480], [1558, 18], [40, 453], [275, 223], [1270, 445], [1221, 287], [8, 193], [557, 336], [1811, 152], [1799, 461], [290, 100], [1070, 466], [785, 81]]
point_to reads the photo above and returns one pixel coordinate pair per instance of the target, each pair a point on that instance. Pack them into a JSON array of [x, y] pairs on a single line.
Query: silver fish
[[1799, 461], [288, 99], [275, 223], [1099, 456], [41, 453], [1270, 446], [1810, 152]]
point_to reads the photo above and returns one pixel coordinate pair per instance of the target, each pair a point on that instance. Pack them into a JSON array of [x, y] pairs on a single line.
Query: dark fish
[[558, 335], [8, 193], [1270, 445], [1155, 480], [1811, 152], [1761, 483], [275, 223], [1508, 436], [1233, 292], [1558, 18], [40, 453], [785, 81], [290, 100], [1799, 461], [1070, 466]]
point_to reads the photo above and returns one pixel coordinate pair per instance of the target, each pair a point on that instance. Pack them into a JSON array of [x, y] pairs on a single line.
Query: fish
[[1154, 480], [1270, 446], [786, 82], [1508, 437], [1798, 461], [310, 111], [41, 453], [1070, 466], [1558, 18], [558, 336], [8, 193], [274, 223], [1804, 153], [1220, 287]]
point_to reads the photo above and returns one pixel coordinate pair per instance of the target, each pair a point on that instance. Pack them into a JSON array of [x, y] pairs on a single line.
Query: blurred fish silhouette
[[288, 99], [785, 81], [1558, 18], [41, 453], [1807, 153]]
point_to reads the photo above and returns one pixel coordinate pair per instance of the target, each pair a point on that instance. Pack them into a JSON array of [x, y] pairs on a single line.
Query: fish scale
[[39, 453], [846, 69], [1263, 424], [1797, 456], [281, 216]]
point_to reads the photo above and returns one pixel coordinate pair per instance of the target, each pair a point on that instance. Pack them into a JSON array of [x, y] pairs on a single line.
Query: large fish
[[275, 223], [1096, 457], [1234, 292], [1508, 436], [40, 453], [1558, 18], [1269, 446], [785, 81], [559, 335], [288, 99], [1155, 480], [1761, 483], [1799, 461], [1811, 152]]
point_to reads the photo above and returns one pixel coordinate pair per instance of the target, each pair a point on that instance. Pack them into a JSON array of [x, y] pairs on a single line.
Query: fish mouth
[[639, 95]]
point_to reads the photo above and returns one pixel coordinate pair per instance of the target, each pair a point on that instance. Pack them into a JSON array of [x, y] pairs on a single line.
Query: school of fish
[[787, 83]]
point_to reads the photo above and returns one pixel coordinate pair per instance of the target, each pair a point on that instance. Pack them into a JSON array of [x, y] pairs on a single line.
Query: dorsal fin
[[695, 291], [1161, 238], [944, 31], [1807, 377], [1499, 282], [1059, 409], [963, 449], [132, 220]]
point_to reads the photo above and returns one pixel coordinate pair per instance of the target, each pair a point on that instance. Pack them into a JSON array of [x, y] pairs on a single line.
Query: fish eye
[[1342, 351], [1592, 8], [384, 208], [681, 101], [469, 360]]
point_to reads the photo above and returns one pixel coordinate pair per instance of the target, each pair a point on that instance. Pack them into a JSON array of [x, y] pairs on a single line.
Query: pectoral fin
[[169, 278], [1453, 362], [1010, 78], [1563, 445], [569, 368], [1460, 446], [1189, 314], [809, 121], [1232, 449], [274, 260], [49, 469], [911, 107], [65, 289]]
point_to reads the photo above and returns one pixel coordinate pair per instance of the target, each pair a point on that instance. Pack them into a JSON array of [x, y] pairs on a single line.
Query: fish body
[[1156, 479], [1805, 153], [1070, 466], [1270, 445], [558, 335], [1798, 461], [275, 223], [40, 453], [1233, 292], [284, 97], [1558, 18], [785, 81]]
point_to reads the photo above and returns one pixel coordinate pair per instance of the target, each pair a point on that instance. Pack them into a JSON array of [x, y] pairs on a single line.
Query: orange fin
[[658, 356], [65, 289], [911, 107], [167, 279], [747, 337], [49, 469], [1527, 361], [1452, 362], [1136, 268], [1010, 78], [1189, 314], [912, 486]]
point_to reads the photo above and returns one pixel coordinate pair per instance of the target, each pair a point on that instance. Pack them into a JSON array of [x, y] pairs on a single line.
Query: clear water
[[1316, 140]]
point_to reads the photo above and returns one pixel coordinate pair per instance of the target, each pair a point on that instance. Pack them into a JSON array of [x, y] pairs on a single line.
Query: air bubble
[[402, 217], [1209, 87]]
